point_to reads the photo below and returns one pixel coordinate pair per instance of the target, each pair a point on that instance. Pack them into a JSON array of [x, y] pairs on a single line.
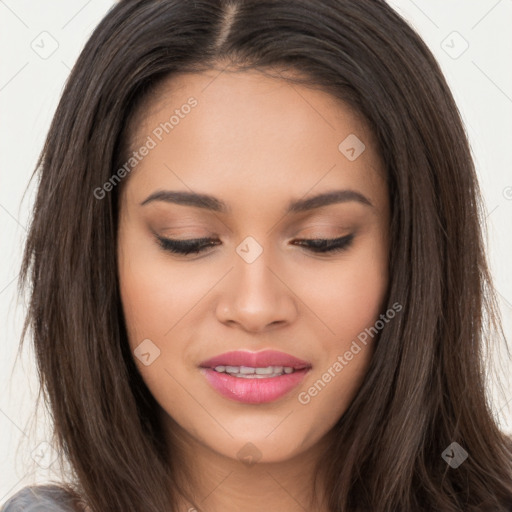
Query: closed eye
[[198, 245]]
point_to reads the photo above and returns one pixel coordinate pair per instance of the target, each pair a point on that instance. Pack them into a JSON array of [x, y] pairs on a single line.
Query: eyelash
[[197, 245]]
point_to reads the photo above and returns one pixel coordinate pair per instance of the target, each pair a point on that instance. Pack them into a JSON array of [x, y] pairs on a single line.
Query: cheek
[[349, 299], [144, 299], [154, 294], [362, 293], [348, 295], [154, 299]]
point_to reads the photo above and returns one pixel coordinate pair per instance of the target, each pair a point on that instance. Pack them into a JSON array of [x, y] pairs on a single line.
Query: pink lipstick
[[254, 377]]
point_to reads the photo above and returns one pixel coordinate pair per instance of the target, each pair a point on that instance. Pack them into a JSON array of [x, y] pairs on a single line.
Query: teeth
[[248, 372], [264, 371]]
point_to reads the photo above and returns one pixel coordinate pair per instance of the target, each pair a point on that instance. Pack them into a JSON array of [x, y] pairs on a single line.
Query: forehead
[[247, 131]]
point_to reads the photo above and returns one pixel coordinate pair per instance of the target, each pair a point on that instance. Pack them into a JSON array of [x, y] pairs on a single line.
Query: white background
[[30, 86]]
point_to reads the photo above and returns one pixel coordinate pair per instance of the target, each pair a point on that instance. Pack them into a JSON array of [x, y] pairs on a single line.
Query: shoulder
[[41, 498]]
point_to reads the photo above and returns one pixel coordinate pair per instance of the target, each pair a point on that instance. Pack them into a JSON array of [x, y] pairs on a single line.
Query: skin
[[255, 143]]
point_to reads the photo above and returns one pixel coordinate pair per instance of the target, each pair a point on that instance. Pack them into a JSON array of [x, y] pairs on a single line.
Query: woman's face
[[262, 150]]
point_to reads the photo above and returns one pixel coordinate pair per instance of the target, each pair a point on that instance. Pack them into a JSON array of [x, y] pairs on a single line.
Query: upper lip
[[255, 359]]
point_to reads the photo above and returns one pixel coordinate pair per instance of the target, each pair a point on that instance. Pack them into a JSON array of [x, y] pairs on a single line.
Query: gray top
[[40, 498]]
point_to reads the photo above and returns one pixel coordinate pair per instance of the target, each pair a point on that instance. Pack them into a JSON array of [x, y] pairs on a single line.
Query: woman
[[258, 278]]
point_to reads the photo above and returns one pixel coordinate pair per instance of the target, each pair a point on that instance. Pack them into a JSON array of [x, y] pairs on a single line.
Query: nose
[[257, 297]]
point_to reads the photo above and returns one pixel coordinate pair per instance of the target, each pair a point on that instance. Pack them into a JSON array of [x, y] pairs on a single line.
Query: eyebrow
[[212, 203]]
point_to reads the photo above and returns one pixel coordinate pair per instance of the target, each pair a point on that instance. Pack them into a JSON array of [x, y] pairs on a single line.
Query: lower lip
[[253, 391]]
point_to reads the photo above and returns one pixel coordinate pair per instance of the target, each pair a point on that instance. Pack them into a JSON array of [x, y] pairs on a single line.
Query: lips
[[261, 359], [254, 390]]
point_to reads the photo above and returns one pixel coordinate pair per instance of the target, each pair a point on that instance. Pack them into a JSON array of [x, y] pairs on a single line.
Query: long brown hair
[[425, 386]]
